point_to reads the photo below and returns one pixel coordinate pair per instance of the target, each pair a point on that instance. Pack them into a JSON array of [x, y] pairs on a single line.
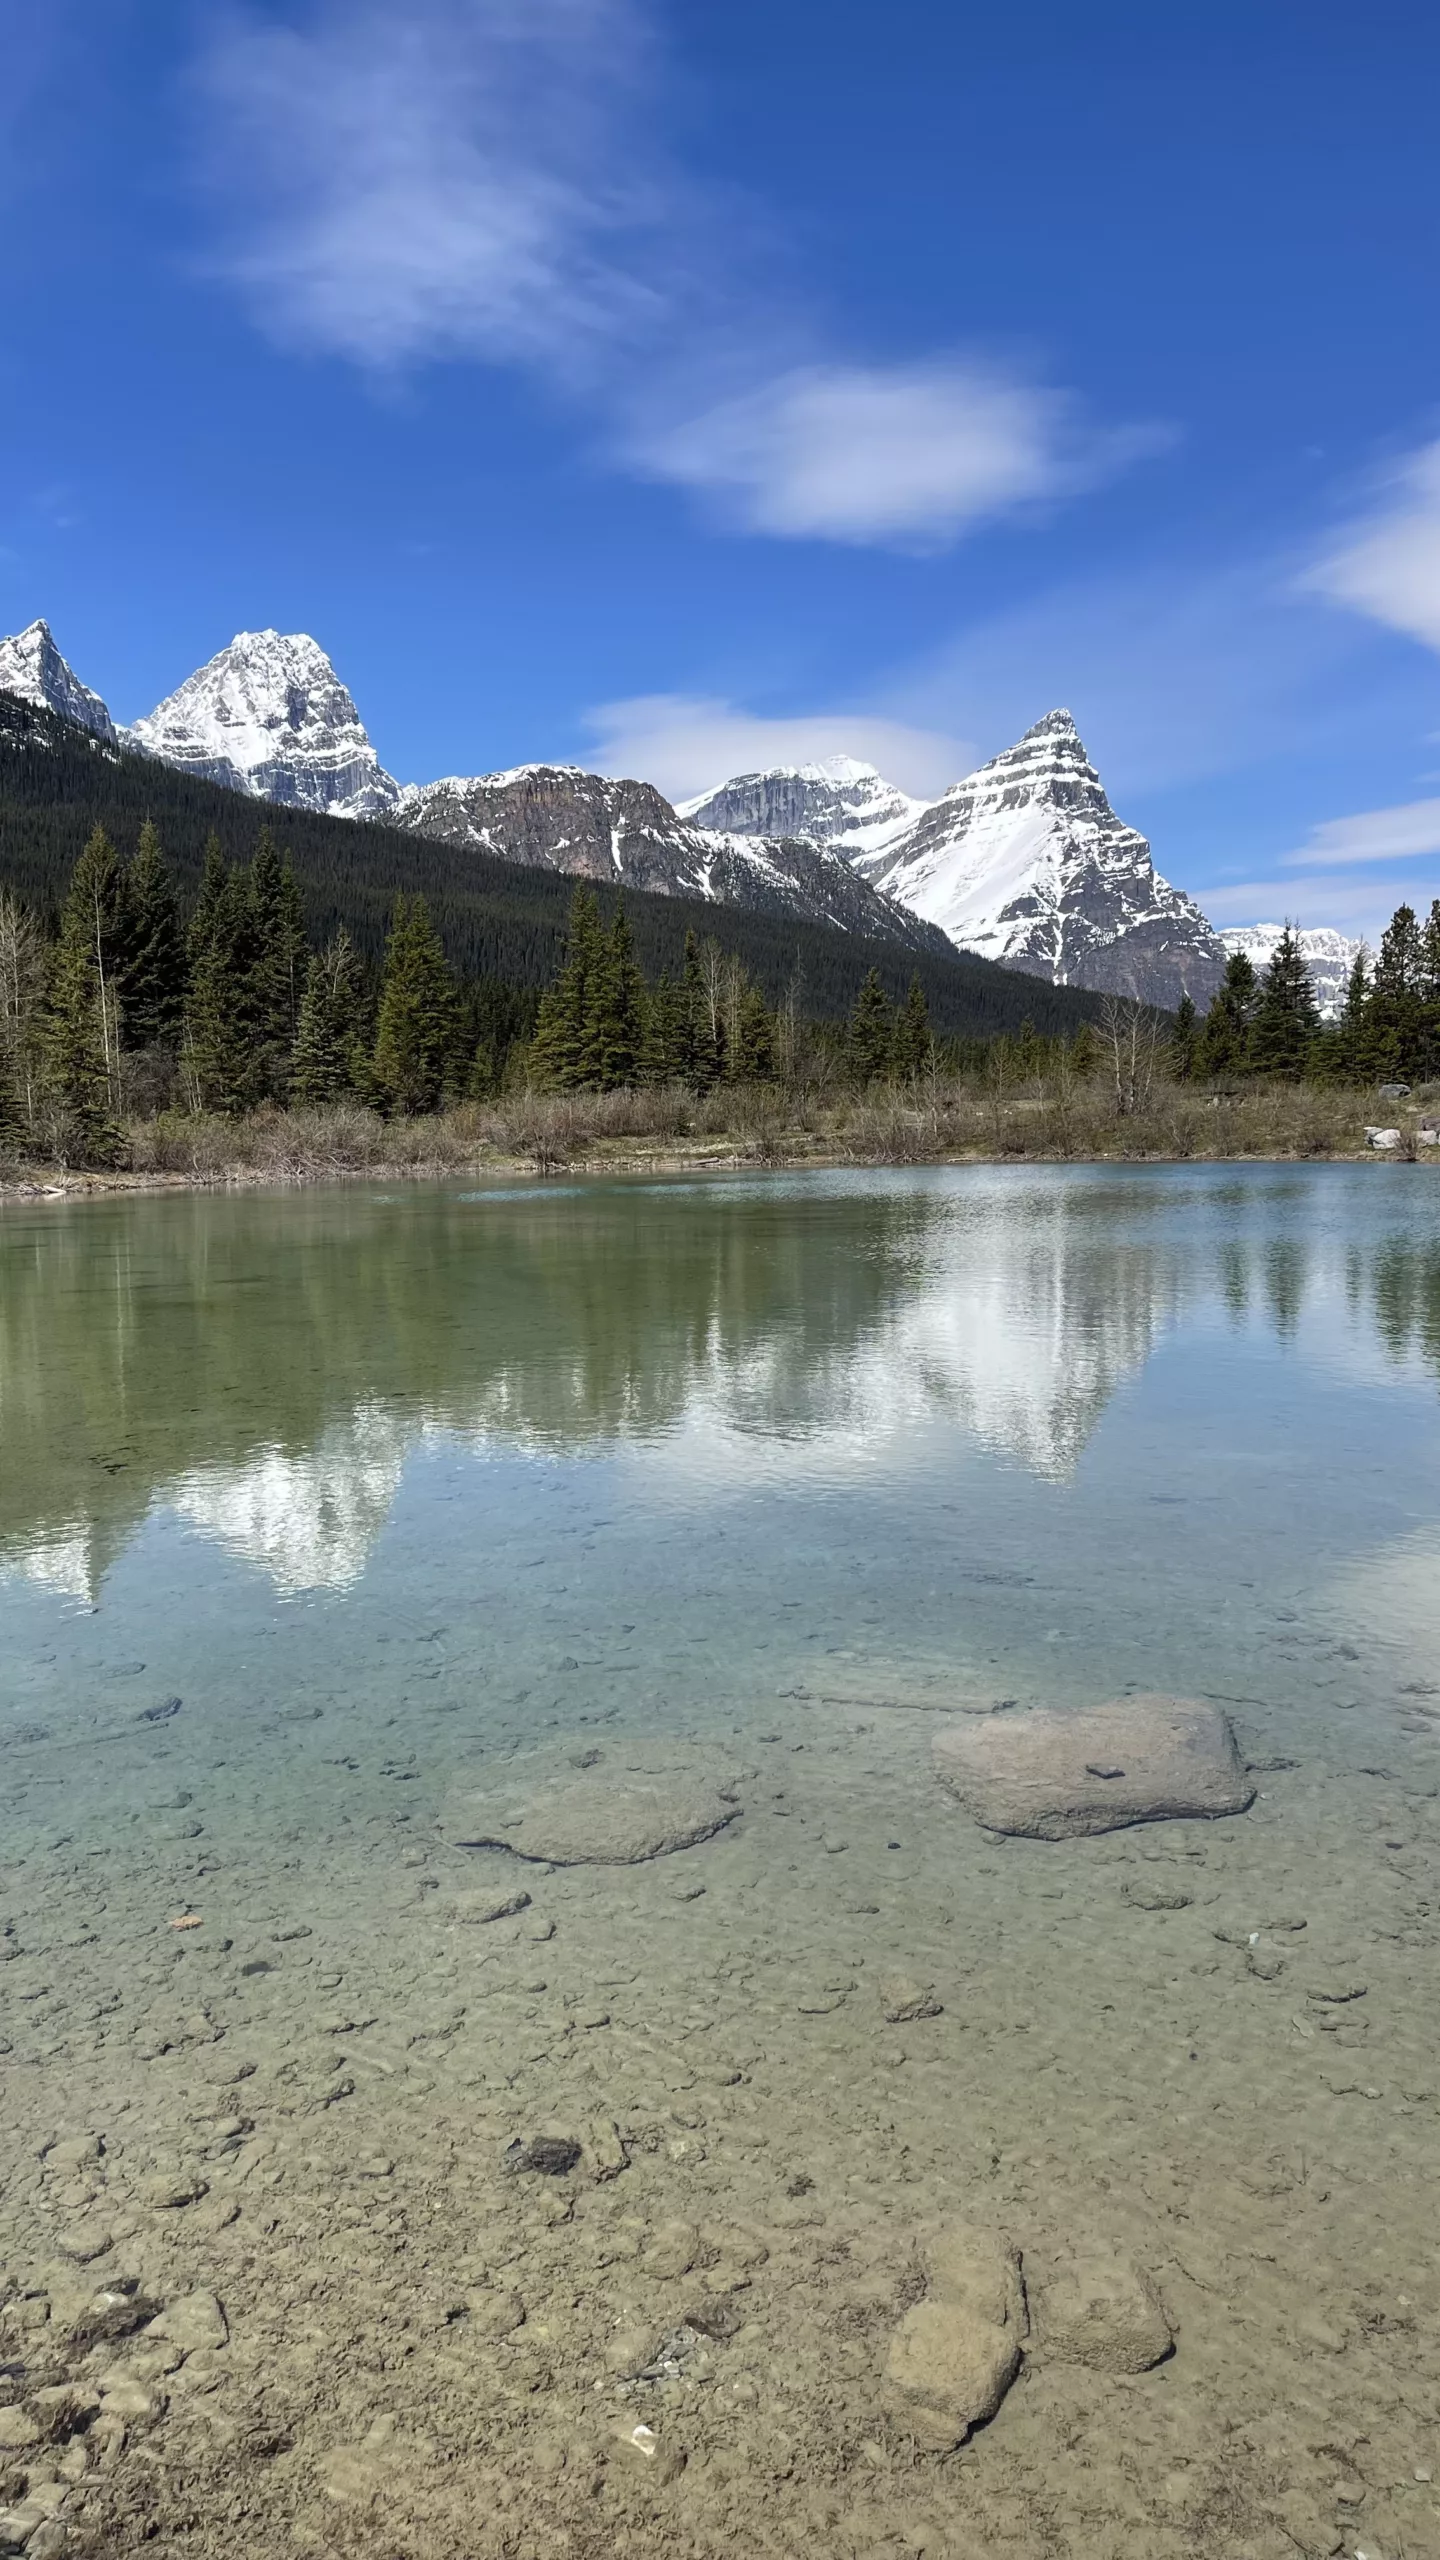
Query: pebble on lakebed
[[1052, 1775]]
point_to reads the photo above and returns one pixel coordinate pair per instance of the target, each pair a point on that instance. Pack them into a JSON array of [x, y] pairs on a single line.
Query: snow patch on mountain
[[31, 665], [1026, 863], [1329, 956], [268, 715]]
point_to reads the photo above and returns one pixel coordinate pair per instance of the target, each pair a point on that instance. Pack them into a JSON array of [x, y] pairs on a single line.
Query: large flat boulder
[[610, 1808], [1056, 1775]]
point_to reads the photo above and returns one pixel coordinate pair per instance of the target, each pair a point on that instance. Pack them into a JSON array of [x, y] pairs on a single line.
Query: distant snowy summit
[[270, 716], [1329, 956], [31, 665], [1024, 862], [839, 802]]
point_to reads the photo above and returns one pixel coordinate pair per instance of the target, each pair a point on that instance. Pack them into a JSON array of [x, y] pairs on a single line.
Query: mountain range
[[1024, 862]]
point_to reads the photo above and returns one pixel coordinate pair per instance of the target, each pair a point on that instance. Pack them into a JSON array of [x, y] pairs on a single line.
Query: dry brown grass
[[932, 1122]]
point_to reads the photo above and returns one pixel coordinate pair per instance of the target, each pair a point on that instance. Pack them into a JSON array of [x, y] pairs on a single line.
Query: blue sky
[[676, 389]]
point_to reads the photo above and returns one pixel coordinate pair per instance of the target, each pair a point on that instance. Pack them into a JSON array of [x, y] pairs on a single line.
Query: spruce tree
[[668, 1049], [1395, 1022], [870, 1038], [615, 1016], [213, 878], [328, 1036], [224, 1059], [1286, 1015], [913, 1036], [1224, 1046], [1349, 1044], [82, 1007], [416, 1026], [279, 968], [153, 992], [752, 1049], [559, 1052], [1184, 1040], [704, 1033], [1430, 994]]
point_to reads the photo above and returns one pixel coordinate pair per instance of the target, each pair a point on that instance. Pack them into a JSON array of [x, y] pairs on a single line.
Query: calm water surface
[[382, 1485]]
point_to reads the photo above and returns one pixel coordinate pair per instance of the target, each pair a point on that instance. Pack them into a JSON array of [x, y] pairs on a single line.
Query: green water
[[382, 1485]]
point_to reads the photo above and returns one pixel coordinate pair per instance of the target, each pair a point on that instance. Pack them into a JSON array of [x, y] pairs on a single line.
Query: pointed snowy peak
[[1026, 863], [31, 665], [839, 802], [270, 716]]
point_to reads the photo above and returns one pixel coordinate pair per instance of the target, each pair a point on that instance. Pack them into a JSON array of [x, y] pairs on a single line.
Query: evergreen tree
[[1027, 1053], [1225, 1034], [752, 1049], [279, 968], [560, 1051], [328, 1036], [1286, 1015], [1184, 1040], [913, 1036], [213, 878], [83, 1012], [615, 1018], [669, 1043], [1429, 1061], [415, 1028], [224, 1058], [1085, 1050], [153, 992], [704, 1033], [1346, 1050], [870, 1039], [1396, 1017]]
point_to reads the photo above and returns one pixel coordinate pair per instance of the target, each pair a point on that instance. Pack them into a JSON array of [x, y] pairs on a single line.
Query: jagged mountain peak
[[269, 715], [837, 801], [31, 665], [1025, 862]]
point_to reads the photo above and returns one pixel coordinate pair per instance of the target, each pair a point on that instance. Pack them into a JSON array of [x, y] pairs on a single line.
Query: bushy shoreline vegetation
[[135, 1041]]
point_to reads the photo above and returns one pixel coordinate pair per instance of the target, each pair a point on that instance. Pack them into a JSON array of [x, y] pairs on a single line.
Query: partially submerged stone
[[618, 1808], [1054, 1775], [955, 2355], [1104, 2313]]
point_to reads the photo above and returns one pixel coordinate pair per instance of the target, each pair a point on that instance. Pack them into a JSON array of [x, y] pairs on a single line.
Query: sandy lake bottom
[[315, 1510]]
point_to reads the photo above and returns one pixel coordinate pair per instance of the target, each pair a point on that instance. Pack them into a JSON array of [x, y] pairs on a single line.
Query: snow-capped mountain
[[270, 716], [1026, 863], [559, 818], [839, 802], [1329, 956], [31, 665]]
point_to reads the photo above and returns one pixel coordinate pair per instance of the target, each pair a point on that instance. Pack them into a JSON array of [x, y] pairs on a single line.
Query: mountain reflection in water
[[263, 1367]]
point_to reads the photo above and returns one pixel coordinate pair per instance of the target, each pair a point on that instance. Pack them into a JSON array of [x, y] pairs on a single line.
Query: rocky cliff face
[[270, 716], [1026, 863], [840, 803], [558, 818], [31, 665], [1329, 956]]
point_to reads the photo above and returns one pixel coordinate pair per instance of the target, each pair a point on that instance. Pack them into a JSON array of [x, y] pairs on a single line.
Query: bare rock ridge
[[559, 818], [839, 803]]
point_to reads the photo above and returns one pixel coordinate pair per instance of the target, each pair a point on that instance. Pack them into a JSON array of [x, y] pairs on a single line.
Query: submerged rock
[[1104, 2313], [1059, 1776], [622, 1808], [955, 2355]]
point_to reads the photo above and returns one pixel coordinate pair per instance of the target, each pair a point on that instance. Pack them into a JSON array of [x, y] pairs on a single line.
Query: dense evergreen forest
[[1267, 1024], [497, 921]]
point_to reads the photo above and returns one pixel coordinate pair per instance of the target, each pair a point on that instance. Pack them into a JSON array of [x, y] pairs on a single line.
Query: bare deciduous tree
[[1130, 1035]]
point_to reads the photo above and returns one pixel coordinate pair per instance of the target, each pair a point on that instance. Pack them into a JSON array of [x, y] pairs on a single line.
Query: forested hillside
[[496, 919]]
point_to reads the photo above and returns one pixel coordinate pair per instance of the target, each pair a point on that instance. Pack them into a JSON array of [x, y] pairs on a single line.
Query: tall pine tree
[[153, 993], [279, 968], [224, 1060], [560, 1052], [615, 1023], [328, 1035], [83, 1007], [1286, 1014], [913, 1037], [1224, 1046], [870, 1037], [1396, 1019], [415, 1029]]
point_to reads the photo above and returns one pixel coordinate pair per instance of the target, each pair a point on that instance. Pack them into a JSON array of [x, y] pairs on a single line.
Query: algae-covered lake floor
[[324, 1515]]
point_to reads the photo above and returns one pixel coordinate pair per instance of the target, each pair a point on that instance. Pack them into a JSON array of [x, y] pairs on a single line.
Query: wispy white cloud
[[1387, 563], [686, 744], [1373, 835], [864, 454], [483, 179], [1363, 905]]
